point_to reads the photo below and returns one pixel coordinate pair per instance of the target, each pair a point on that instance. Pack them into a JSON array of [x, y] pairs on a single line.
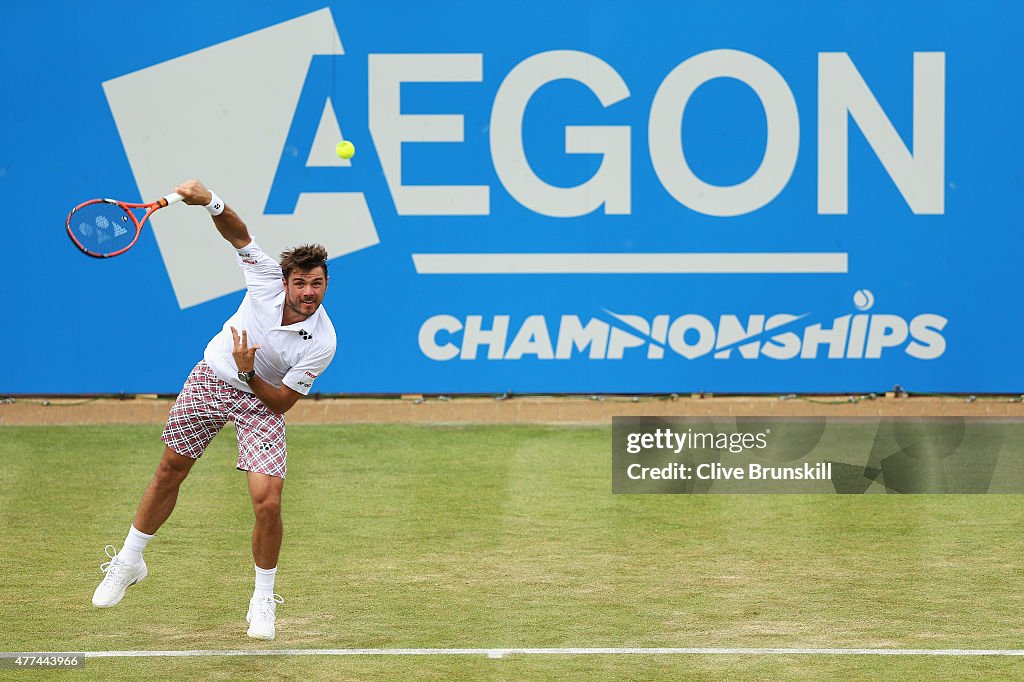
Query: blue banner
[[584, 196]]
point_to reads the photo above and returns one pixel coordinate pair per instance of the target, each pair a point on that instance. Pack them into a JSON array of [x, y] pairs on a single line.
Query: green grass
[[405, 536]]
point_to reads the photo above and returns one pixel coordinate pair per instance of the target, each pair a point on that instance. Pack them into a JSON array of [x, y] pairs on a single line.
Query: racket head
[[103, 228]]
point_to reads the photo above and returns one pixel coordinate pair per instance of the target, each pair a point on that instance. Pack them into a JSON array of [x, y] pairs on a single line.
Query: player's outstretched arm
[[228, 223]]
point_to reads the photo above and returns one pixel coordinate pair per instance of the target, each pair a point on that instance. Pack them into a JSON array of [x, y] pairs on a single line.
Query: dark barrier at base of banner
[[954, 455]]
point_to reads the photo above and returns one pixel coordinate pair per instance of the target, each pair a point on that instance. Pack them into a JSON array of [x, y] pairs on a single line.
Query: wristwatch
[[246, 376]]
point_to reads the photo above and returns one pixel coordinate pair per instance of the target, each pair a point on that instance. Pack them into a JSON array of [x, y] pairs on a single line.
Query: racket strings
[[102, 227]]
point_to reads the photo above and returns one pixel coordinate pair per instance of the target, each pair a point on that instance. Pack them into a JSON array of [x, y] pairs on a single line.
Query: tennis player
[[265, 358]]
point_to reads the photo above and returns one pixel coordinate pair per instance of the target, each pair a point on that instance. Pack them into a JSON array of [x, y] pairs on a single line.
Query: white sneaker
[[119, 577], [261, 616]]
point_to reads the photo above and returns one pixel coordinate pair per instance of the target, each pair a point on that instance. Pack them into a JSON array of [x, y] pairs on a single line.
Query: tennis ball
[[345, 149]]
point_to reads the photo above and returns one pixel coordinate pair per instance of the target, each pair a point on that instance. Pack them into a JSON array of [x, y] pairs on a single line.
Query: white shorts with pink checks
[[206, 403]]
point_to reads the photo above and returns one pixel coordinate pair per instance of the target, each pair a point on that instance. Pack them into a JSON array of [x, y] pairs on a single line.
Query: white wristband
[[216, 205]]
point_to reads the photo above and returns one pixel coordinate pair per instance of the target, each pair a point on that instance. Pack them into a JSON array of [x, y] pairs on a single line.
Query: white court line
[[499, 653], [627, 263]]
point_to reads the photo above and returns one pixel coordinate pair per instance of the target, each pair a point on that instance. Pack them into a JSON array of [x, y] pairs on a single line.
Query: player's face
[[303, 293]]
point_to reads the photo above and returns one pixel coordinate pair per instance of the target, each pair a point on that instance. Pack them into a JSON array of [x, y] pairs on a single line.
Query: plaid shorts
[[206, 403]]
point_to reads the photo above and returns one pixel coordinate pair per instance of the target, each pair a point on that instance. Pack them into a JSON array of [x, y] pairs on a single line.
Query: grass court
[[495, 537]]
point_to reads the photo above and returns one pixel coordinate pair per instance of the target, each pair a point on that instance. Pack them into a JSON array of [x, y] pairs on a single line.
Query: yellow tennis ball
[[345, 149]]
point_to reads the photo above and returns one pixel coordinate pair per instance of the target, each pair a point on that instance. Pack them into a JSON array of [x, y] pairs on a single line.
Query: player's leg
[[263, 455], [268, 529], [267, 533], [194, 420], [127, 567], [162, 492]]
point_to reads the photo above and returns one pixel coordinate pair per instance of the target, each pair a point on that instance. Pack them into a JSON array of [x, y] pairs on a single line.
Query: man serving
[[267, 355]]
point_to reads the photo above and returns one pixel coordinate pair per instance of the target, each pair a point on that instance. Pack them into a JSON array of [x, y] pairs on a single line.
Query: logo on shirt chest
[[306, 336]]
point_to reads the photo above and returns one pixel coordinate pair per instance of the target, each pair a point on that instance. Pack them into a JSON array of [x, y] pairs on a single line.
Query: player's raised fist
[[194, 193]]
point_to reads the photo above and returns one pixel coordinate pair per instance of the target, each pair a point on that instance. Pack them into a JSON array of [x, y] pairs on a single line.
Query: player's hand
[[194, 193], [245, 357]]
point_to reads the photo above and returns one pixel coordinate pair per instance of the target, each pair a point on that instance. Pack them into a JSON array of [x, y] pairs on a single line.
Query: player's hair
[[303, 258]]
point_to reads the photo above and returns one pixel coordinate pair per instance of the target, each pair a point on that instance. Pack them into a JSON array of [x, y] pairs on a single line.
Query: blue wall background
[[76, 325]]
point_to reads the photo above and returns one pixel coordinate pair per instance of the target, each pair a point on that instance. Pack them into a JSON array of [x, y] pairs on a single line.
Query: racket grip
[[171, 198]]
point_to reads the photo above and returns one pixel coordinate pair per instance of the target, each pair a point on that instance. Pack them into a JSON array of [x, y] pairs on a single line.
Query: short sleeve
[[300, 378], [263, 276]]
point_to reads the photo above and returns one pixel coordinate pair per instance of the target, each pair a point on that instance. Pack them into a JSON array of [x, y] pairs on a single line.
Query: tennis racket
[[103, 228]]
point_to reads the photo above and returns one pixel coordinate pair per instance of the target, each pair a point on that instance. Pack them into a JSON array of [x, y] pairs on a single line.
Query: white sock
[[134, 545], [264, 582]]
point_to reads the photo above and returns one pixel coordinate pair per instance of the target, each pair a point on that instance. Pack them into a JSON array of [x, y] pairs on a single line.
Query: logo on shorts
[[266, 447], [306, 336]]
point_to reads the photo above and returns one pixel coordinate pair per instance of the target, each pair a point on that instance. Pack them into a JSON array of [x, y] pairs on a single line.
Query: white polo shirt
[[292, 355]]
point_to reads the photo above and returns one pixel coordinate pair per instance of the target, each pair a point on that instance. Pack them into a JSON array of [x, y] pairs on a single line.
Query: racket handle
[[171, 198]]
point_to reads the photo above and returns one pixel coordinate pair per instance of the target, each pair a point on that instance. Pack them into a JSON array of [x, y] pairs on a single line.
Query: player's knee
[[267, 509], [173, 468]]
